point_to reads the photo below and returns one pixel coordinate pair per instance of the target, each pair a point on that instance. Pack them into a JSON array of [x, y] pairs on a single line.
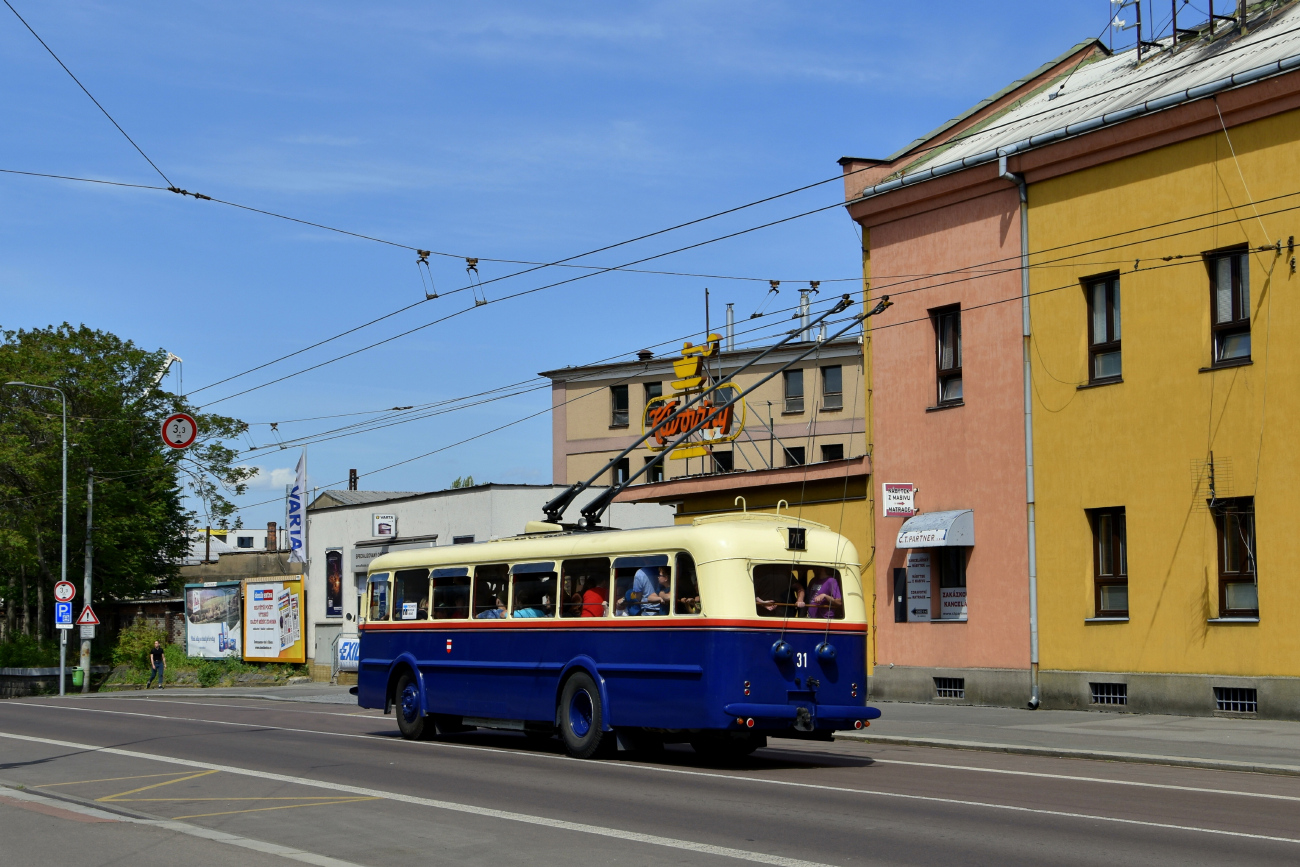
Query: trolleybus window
[[637, 586], [686, 587], [490, 591], [584, 588], [781, 590], [411, 594], [451, 593], [379, 596], [533, 590]]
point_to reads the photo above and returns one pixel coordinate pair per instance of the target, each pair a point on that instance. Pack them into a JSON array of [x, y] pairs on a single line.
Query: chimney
[[731, 328], [352, 480], [271, 536], [644, 355]]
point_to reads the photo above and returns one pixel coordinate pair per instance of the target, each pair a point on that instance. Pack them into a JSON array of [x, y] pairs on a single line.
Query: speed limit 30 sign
[[179, 431]]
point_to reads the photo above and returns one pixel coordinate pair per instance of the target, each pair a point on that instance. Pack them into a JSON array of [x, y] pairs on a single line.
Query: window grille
[[1235, 699], [1109, 693], [950, 687]]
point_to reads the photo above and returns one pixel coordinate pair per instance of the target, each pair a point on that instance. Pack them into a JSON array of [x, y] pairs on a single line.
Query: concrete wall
[[1144, 443], [969, 456]]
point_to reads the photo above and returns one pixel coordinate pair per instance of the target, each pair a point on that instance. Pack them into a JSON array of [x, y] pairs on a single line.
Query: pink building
[[948, 417]]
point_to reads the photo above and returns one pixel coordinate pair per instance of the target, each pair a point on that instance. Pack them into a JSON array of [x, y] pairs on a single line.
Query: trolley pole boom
[[592, 511], [555, 508]]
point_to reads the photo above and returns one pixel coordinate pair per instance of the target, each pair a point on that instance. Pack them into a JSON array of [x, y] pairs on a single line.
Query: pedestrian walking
[[157, 662]]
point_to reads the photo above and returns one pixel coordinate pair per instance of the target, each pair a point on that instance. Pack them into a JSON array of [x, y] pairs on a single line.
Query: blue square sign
[[63, 615]]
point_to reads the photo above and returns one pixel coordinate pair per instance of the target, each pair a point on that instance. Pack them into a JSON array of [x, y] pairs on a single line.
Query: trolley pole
[[90, 556]]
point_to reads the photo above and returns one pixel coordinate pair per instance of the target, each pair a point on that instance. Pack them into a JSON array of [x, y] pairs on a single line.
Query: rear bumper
[[821, 713]]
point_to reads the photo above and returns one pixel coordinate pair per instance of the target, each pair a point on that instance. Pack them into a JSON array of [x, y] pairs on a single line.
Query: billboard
[[273, 612], [333, 582], [212, 619]]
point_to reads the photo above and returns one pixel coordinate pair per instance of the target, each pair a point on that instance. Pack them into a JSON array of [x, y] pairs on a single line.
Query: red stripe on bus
[[765, 624]]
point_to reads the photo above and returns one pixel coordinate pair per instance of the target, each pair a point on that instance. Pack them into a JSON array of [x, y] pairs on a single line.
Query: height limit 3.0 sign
[[179, 431]]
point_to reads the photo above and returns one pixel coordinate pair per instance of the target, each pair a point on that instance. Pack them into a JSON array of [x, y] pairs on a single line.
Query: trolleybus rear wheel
[[582, 718], [411, 722]]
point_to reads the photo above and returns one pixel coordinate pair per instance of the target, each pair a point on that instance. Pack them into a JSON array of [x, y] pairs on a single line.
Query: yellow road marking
[[155, 786], [110, 780], [264, 809]]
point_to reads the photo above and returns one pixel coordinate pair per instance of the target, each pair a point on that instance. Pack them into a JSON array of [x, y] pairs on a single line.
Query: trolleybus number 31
[[801, 660]]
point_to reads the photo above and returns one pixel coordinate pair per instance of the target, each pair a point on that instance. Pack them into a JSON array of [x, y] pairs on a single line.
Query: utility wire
[[170, 185]]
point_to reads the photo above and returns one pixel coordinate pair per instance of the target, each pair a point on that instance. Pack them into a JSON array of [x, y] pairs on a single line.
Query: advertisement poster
[[333, 582], [900, 499], [383, 526], [273, 621], [952, 603], [918, 586], [212, 620], [349, 653]]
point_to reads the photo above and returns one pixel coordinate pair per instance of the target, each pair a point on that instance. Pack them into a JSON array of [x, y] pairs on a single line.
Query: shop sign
[[383, 526], [900, 499], [349, 653], [918, 586], [921, 537], [719, 417], [952, 603]]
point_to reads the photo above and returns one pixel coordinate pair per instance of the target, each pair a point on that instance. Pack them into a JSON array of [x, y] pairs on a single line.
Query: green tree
[[115, 415]]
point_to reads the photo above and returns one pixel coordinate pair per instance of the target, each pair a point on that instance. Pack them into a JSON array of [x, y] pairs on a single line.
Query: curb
[[1065, 753]]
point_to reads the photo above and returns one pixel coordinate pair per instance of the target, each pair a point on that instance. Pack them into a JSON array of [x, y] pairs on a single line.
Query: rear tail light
[[749, 723], [860, 724]]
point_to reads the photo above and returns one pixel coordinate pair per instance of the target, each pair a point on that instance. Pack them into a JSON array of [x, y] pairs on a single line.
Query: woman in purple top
[[825, 600]]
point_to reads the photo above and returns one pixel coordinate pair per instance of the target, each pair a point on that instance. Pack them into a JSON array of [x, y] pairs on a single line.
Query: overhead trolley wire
[[170, 185]]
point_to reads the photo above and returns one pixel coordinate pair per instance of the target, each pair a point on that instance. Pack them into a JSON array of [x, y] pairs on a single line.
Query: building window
[[1236, 699], [1109, 693], [832, 388], [653, 390], [1109, 562], [1230, 305], [947, 332], [244, 542], [656, 471], [618, 406], [951, 565], [1234, 520], [722, 461], [621, 472], [1103, 329], [794, 456], [793, 391], [462, 540], [950, 687]]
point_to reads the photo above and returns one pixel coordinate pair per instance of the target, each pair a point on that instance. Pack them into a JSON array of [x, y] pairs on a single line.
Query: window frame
[[1249, 574], [791, 452], [1239, 274], [832, 400], [944, 376], [721, 464], [647, 387], [620, 472], [1117, 517], [825, 446], [788, 403], [656, 471], [614, 392], [1114, 324]]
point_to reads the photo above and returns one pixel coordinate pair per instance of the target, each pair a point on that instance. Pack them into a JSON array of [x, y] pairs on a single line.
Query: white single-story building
[[348, 529]]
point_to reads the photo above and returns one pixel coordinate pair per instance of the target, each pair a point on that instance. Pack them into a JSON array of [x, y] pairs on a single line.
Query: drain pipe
[[1019, 181]]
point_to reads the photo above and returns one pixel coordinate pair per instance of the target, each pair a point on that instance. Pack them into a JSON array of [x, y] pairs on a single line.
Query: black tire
[[413, 724], [582, 718], [727, 745]]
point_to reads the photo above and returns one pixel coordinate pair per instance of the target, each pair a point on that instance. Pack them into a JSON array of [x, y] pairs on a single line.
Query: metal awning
[[938, 530]]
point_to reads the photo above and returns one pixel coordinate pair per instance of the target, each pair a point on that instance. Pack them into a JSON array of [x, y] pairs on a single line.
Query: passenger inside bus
[[490, 591], [585, 587], [629, 572], [535, 590], [451, 593], [687, 598], [651, 589], [411, 594], [778, 592], [827, 599]]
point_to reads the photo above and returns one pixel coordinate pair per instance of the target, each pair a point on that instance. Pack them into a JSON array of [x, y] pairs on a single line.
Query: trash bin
[[78, 677]]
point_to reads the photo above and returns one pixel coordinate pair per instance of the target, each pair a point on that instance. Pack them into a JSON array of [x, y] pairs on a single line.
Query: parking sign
[[63, 615]]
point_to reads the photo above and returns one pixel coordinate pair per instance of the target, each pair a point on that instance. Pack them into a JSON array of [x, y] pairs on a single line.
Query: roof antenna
[[429, 292]]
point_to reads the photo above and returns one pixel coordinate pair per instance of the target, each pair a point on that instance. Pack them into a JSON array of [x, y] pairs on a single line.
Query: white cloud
[[271, 480]]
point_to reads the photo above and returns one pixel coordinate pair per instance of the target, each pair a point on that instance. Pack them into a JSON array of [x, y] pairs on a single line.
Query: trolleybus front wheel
[[582, 718], [411, 722]]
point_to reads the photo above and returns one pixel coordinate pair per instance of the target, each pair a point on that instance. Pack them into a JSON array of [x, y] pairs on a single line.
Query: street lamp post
[[63, 566]]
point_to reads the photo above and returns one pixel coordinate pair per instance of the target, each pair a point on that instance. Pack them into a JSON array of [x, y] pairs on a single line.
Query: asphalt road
[[146, 779]]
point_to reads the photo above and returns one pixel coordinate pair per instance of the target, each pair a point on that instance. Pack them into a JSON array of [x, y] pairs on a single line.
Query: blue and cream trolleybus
[[720, 633]]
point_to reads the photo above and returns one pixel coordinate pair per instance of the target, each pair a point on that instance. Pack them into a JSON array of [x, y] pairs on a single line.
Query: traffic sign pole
[[90, 554]]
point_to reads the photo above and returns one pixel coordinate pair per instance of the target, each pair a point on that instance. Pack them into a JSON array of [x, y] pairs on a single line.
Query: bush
[[134, 643], [23, 651]]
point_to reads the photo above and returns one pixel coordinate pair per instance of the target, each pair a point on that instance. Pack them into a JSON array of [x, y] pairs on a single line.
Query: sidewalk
[[1268, 746]]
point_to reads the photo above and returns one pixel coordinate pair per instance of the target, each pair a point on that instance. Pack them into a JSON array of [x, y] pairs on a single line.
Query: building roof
[[663, 366], [357, 498], [1102, 90]]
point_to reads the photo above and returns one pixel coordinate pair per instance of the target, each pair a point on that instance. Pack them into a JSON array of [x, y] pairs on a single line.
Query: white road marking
[[447, 805], [183, 828], [644, 767], [555, 824]]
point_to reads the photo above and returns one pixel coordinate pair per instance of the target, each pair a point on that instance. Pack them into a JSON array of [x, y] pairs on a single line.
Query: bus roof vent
[[761, 517], [541, 527]]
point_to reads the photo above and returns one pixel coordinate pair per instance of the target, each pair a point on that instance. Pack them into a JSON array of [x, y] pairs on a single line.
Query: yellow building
[[1160, 316]]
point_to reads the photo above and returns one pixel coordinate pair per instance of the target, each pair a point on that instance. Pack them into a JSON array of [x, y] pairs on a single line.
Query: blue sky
[[528, 131]]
